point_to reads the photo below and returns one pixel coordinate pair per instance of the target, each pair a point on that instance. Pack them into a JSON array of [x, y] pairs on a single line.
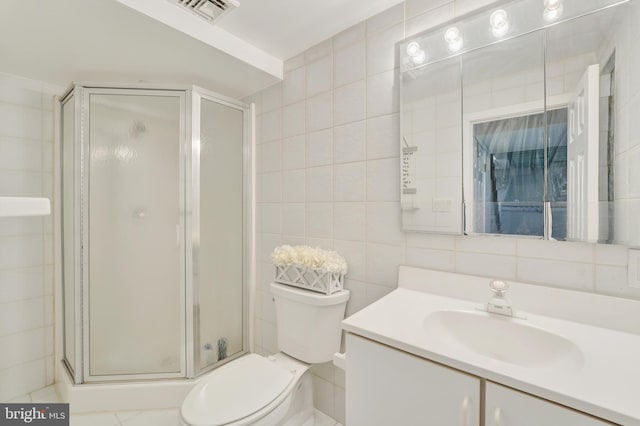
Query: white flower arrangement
[[309, 258], [311, 268]]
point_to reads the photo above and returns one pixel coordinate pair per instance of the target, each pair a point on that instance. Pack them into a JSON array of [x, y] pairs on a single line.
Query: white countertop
[[606, 385]]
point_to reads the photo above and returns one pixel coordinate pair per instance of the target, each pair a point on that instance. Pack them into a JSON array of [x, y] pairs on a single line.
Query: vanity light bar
[[508, 20]]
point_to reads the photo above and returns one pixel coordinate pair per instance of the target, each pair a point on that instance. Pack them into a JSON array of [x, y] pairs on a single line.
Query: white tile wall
[[348, 37], [293, 153], [382, 179], [382, 94], [319, 220], [319, 113], [271, 128], [271, 98], [319, 76], [293, 119], [293, 186], [382, 136], [349, 181], [430, 18], [319, 184], [381, 52], [318, 148], [349, 142], [26, 244], [293, 86], [318, 51], [348, 64], [293, 219], [271, 159], [349, 103], [340, 189]]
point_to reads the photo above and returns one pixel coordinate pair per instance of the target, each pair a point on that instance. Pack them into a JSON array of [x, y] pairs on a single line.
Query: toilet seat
[[238, 390], [278, 390]]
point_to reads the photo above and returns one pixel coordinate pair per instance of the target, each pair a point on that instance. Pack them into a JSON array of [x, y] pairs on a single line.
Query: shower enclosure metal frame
[[191, 98]]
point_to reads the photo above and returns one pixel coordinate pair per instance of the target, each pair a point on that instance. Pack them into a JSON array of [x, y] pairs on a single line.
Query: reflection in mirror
[[580, 57], [503, 137], [431, 149], [546, 112], [509, 169]]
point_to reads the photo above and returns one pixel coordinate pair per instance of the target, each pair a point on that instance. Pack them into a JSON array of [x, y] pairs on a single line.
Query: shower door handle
[[465, 411], [497, 417]]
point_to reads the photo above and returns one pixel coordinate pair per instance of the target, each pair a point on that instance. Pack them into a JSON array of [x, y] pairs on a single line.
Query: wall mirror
[[515, 120]]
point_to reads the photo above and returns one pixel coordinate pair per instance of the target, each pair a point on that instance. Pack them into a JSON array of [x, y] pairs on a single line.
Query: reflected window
[[509, 174]]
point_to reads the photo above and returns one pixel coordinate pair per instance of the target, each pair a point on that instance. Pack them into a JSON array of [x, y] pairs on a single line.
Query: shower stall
[[155, 199]]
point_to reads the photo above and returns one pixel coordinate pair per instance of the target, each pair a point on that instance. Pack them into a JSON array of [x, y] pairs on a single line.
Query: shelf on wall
[[24, 206]]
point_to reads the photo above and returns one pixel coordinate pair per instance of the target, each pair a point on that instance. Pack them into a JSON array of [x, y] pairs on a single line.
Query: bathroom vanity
[[427, 353]]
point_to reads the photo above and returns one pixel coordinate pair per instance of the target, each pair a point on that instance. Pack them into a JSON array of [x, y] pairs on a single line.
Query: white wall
[[26, 244], [328, 175]]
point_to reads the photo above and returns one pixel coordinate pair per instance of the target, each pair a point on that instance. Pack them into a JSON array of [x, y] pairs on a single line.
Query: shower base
[[122, 396]]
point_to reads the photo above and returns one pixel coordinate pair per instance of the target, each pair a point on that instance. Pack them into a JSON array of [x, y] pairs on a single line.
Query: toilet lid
[[235, 390]]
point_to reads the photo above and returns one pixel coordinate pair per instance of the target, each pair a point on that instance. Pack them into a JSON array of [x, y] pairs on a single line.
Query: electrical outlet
[[633, 268]]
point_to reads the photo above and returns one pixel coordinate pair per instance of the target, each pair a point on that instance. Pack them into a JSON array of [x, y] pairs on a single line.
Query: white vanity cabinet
[[508, 407], [386, 387]]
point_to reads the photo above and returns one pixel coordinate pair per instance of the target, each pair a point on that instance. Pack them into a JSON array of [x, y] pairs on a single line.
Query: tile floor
[[133, 418]]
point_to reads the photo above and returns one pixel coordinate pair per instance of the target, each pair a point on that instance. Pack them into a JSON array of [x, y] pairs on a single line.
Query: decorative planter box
[[322, 282]]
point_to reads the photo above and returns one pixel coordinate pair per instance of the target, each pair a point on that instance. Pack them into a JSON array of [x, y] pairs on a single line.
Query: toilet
[[274, 390]]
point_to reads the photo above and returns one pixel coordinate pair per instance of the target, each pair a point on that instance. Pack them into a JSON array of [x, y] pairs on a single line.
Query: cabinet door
[[507, 407], [385, 386]]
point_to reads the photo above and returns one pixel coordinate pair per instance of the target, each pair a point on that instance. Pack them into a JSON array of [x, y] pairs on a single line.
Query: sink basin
[[503, 338]]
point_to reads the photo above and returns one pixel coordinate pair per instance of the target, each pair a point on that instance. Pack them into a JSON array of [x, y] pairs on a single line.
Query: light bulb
[[499, 22], [419, 58], [413, 48], [552, 4], [453, 38], [552, 10], [451, 35]]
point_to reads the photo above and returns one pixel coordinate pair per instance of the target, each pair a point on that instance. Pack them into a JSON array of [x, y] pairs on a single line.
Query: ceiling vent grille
[[210, 10]]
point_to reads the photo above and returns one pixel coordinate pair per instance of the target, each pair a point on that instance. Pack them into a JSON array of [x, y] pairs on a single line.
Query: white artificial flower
[[306, 257]]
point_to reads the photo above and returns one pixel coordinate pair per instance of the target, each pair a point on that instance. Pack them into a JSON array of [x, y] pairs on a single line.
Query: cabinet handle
[[497, 417], [465, 411]]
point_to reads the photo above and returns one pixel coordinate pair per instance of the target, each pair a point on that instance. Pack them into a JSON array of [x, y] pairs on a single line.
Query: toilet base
[[301, 408]]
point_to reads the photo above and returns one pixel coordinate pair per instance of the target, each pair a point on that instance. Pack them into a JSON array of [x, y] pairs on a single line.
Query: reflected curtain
[[510, 196]]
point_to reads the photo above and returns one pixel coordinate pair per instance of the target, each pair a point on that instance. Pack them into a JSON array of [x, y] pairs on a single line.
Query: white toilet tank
[[308, 322]]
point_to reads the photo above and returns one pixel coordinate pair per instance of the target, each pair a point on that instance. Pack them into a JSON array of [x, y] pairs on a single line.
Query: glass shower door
[[134, 248], [219, 256], [70, 235]]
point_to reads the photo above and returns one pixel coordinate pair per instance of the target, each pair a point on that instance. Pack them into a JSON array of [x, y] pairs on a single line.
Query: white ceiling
[[60, 41], [285, 28]]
